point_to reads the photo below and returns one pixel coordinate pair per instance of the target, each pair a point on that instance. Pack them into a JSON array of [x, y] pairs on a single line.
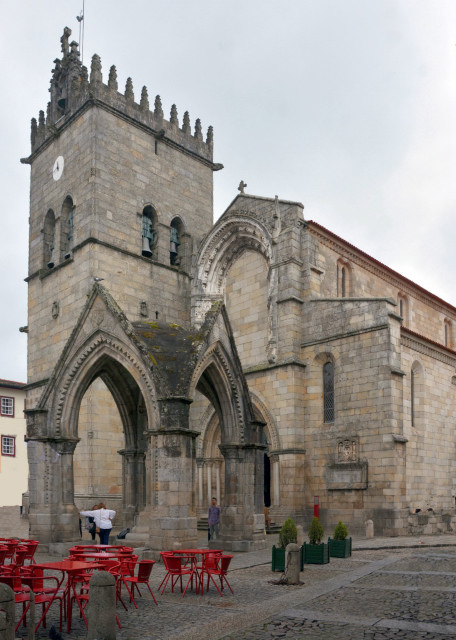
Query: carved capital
[[64, 447], [36, 420]]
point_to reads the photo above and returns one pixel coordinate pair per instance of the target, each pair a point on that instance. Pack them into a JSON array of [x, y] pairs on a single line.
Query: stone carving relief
[[347, 451]]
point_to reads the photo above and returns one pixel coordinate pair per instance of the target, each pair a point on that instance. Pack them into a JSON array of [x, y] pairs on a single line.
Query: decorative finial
[[242, 186], [112, 80], [64, 40], [158, 111], [33, 132], [144, 104], [95, 70], [173, 116], [186, 124], [210, 135], [84, 78], [198, 132], [129, 95]]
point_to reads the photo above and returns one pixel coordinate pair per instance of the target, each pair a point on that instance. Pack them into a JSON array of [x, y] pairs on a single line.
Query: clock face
[[57, 169]]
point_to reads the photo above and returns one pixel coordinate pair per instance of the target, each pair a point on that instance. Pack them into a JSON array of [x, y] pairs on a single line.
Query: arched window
[[175, 241], [343, 279], [149, 232], [67, 229], [448, 333], [403, 306], [328, 392], [49, 240]]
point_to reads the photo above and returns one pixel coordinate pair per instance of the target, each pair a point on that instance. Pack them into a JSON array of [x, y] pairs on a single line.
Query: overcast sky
[[346, 106]]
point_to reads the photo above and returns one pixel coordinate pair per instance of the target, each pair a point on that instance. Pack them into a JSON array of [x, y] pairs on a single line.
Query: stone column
[[200, 464], [218, 464], [242, 521], [53, 516], [275, 480], [209, 481], [133, 478], [169, 519]]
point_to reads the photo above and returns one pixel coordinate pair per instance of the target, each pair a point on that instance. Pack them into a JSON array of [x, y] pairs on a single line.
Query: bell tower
[[117, 193]]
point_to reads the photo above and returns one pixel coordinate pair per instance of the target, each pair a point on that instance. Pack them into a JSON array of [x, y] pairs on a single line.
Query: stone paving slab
[[379, 593]]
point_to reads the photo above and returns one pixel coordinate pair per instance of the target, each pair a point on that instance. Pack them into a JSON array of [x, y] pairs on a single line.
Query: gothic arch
[[263, 412], [107, 355], [216, 378], [223, 245], [228, 239]]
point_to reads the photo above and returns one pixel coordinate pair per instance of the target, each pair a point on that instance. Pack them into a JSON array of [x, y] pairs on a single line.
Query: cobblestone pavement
[[376, 594]]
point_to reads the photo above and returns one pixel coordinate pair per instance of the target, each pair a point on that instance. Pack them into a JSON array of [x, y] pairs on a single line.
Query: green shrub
[[316, 531], [341, 531], [288, 533]]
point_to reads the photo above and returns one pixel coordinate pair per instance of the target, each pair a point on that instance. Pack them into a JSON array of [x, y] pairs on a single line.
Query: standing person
[[214, 519], [102, 518], [90, 524]]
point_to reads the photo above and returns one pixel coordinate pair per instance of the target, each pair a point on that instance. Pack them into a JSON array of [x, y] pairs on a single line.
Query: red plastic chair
[[3, 554], [176, 569], [45, 595], [11, 546], [20, 555], [144, 570], [21, 595], [220, 570], [31, 547]]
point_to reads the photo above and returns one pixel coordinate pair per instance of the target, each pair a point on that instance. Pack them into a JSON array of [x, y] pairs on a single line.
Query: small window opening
[[328, 392]]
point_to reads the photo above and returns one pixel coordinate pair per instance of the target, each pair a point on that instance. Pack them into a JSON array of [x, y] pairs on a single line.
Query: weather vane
[[80, 19]]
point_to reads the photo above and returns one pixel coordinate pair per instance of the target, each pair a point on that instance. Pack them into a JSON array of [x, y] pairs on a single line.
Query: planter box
[[340, 548], [316, 553], [278, 558]]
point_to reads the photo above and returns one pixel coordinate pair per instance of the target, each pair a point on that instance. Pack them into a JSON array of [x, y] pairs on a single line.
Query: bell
[[146, 252]]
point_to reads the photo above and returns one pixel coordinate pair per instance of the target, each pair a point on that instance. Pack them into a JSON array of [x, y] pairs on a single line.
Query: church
[[262, 359]]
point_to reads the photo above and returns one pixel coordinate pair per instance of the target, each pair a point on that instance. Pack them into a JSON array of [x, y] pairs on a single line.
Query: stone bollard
[[7, 610], [369, 529], [300, 538], [292, 563], [102, 606]]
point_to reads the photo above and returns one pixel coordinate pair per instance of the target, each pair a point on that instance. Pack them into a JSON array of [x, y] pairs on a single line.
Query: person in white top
[[102, 518]]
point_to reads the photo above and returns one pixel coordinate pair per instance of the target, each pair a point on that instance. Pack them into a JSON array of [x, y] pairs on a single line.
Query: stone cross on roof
[[242, 186]]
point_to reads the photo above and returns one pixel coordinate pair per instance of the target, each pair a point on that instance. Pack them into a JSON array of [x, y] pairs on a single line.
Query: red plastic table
[[70, 567]]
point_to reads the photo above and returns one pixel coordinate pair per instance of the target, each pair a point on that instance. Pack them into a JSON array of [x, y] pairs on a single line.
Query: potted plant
[[288, 533], [316, 551], [340, 546]]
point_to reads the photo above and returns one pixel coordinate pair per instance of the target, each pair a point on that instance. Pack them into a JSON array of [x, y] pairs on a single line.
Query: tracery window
[[328, 392]]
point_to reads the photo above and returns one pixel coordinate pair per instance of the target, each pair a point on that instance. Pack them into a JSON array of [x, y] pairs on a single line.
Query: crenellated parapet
[[72, 87]]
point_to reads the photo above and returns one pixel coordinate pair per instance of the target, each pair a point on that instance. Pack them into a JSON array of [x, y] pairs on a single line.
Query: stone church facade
[[261, 359]]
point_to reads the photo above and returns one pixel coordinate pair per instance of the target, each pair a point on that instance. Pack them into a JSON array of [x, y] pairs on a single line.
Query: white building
[[13, 458]]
